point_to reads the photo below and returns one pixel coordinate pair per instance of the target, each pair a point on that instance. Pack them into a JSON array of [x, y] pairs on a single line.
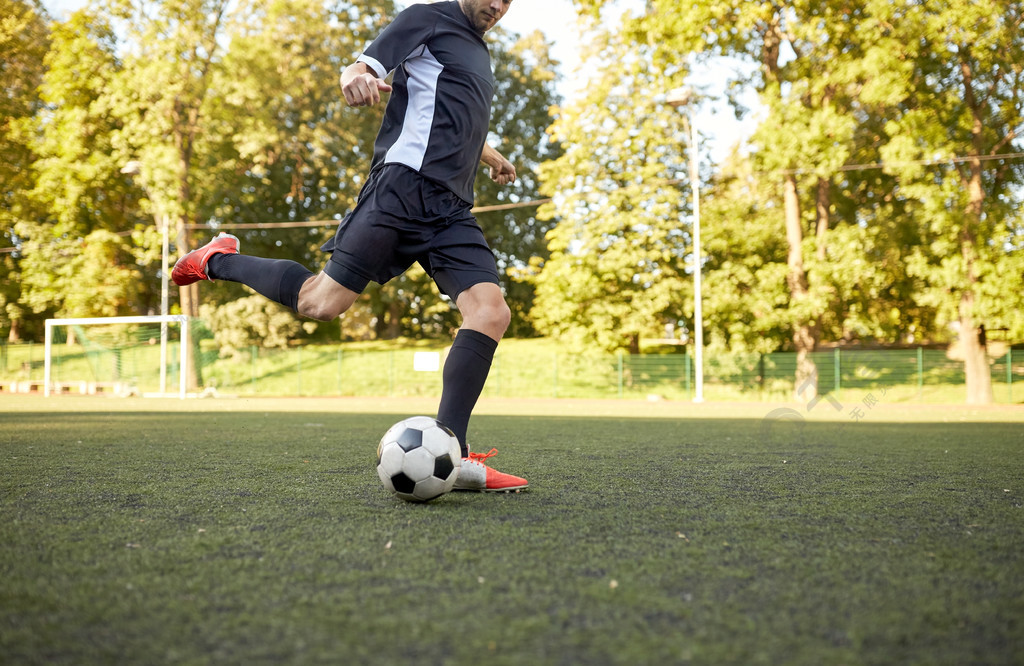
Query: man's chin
[[485, 24]]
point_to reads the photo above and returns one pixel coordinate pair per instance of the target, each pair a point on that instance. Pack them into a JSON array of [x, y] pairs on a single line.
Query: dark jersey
[[437, 119]]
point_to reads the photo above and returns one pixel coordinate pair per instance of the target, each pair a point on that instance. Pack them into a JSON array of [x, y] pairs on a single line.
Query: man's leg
[[280, 280], [465, 373], [289, 283], [286, 282], [485, 318]]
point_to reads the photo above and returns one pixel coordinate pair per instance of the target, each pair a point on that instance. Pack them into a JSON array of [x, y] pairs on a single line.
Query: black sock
[[465, 372], [277, 279]]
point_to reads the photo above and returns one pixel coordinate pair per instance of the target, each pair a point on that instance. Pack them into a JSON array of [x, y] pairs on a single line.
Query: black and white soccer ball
[[418, 459]]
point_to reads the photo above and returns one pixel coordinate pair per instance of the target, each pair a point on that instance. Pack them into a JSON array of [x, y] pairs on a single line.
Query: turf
[[258, 533]]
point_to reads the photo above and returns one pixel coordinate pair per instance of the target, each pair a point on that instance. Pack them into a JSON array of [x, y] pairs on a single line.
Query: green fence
[[520, 370]]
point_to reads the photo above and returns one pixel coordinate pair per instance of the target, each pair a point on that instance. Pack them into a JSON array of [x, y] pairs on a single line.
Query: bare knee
[[495, 319], [323, 299], [484, 309]]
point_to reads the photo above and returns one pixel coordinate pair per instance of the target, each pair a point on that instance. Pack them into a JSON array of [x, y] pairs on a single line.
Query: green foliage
[[244, 322], [81, 257], [24, 40], [963, 102], [617, 251], [78, 180], [292, 149], [899, 254], [745, 293], [94, 276], [232, 115], [963, 99], [524, 97]]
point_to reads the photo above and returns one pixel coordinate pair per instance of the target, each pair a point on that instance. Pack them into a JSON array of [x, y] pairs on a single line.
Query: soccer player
[[415, 205]]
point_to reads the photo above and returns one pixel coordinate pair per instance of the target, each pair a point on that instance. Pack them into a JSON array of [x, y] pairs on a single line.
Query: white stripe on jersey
[[423, 70]]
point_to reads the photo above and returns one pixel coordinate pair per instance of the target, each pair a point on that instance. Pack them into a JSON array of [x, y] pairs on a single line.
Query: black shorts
[[402, 218]]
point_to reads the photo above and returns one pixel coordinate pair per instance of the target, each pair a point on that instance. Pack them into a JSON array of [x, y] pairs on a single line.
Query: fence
[[519, 370]]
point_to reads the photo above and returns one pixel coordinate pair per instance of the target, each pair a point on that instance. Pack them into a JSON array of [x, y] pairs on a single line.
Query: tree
[[525, 78], [805, 128], [963, 104], [808, 58], [745, 262], [903, 82], [291, 150], [162, 97], [235, 117], [233, 114], [615, 272], [84, 248], [24, 39]]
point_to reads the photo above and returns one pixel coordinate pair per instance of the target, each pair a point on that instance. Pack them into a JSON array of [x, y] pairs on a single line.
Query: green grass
[[256, 531]]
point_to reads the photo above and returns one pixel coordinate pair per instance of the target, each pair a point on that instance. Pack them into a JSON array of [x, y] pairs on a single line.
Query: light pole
[[683, 97], [132, 168]]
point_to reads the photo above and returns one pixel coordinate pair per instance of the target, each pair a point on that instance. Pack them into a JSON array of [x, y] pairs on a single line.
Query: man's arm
[[361, 86], [503, 172]]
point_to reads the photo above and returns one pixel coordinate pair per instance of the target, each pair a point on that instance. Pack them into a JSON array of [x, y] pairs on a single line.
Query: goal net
[[116, 355]]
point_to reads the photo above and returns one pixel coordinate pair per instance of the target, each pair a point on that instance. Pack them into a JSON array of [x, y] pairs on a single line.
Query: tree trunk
[[804, 330], [634, 343], [188, 299], [972, 340], [973, 344], [394, 320], [976, 370], [14, 335]]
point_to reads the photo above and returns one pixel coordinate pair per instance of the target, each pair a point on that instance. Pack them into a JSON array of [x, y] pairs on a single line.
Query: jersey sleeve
[[404, 35]]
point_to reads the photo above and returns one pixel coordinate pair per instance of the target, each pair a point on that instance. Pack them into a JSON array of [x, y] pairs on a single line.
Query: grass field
[[255, 531]]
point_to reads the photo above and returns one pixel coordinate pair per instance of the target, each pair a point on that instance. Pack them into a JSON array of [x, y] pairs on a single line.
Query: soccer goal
[[115, 355]]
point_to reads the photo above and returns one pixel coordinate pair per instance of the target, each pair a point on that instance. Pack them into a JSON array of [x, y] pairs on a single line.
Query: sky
[[557, 20]]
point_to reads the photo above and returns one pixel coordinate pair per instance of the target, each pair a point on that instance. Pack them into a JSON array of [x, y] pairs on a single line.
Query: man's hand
[[503, 174], [360, 86], [502, 171]]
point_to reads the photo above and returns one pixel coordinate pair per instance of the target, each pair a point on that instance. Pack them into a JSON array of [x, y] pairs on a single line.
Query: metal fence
[[909, 375]]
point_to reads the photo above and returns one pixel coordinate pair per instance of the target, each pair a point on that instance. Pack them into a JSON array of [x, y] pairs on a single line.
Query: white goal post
[[163, 320]]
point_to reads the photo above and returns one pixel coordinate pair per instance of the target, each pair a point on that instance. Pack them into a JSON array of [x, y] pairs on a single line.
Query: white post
[[163, 304], [685, 97], [698, 318], [183, 358], [47, 347]]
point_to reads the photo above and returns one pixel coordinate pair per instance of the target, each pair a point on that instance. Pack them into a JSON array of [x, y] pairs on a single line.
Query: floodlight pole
[[683, 97]]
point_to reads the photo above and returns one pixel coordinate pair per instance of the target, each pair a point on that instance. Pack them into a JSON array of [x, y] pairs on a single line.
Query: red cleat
[[475, 475], [192, 266]]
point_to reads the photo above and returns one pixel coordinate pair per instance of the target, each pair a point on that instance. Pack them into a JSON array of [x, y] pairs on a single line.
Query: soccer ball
[[418, 459]]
